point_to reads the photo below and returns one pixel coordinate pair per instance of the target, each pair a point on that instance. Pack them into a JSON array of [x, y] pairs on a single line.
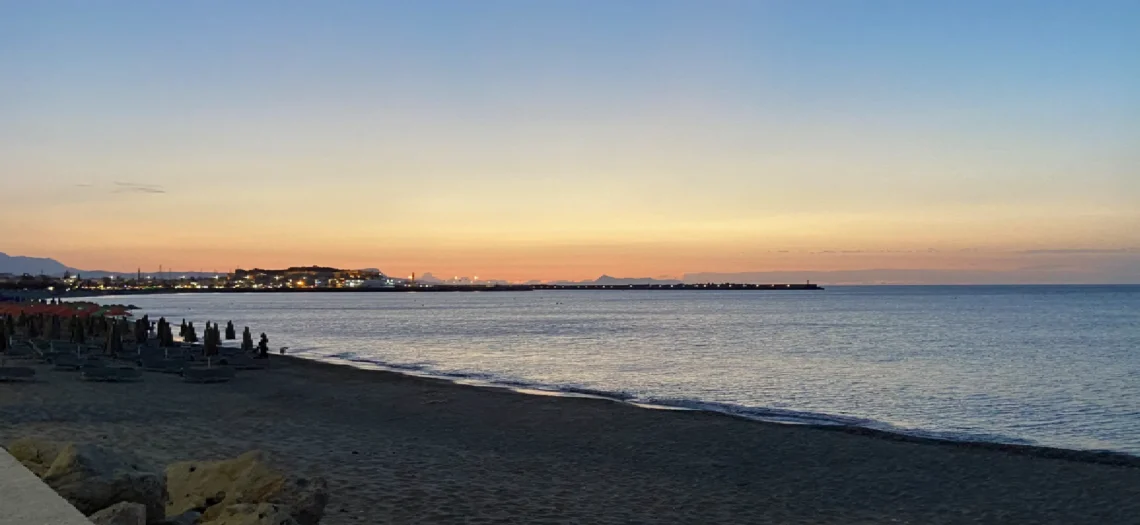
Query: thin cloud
[[1072, 251], [135, 187]]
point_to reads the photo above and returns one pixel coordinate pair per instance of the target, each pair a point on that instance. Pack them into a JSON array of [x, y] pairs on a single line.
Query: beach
[[404, 449]]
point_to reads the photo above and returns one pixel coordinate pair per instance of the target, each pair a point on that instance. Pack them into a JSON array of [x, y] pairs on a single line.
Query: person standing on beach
[[263, 347]]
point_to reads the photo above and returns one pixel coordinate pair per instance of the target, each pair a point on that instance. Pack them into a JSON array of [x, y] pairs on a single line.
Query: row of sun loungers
[[207, 375], [110, 374], [93, 365], [17, 373]]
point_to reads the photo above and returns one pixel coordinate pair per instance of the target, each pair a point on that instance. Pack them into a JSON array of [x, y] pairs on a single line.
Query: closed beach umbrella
[[191, 335], [182, 329], [3, 337], [211, 342], [114, 339], [56, 330], [124, 329], [246, 340], [168, 334], [163, 328], [79, 336], [230, 332]]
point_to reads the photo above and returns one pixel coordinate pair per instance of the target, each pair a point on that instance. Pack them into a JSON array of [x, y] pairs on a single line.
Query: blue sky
[[684, 129]]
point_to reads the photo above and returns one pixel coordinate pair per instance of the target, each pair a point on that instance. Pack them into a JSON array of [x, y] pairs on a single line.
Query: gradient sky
[[565, 139]]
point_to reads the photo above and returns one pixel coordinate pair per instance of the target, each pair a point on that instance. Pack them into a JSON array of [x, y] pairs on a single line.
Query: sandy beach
[[400, 449]]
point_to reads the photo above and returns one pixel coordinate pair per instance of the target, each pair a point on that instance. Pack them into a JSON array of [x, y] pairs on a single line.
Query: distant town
[[317, 278]]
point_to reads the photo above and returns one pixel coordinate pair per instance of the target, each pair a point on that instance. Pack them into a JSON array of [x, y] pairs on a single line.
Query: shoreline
[[1104, 457], [397, 448], [1101, 456]]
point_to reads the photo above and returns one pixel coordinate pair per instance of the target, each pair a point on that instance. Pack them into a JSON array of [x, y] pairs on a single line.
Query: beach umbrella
[[211, 342], [162, 325], [124, 329], [246, 340], [182, 329], [79, 336], [114, 339], [166, 337], [140, 331], [55, 329], [191, 335], [230, 332]]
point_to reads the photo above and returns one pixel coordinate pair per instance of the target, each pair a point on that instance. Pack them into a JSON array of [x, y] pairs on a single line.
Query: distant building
[[307, 277]]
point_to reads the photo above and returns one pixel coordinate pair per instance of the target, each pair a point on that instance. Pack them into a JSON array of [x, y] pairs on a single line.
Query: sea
[[1052, 366]]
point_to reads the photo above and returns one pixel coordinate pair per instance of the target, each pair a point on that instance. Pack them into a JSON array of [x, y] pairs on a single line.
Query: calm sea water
[[1050, 365]]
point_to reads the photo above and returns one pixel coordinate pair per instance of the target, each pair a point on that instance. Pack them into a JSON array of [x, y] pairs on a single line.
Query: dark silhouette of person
[[263, 347]]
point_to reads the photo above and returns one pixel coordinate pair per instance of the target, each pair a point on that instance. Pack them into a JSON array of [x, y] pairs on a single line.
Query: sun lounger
[[93, 362], [241, 362], [21, 352], [17, 373], [41, 347], [49, 357], [110, 375], [129, 352], [66, 362], [207, 375], [153, 363]]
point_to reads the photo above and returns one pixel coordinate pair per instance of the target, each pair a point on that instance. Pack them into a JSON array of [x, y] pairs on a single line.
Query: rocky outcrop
[[36, 455], [92, 478], [216, 487], [253, 514], [117, 489], [190, 517], [120, 514]]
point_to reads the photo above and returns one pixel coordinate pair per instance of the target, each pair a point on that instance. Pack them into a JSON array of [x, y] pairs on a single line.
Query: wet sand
[[400, 449]]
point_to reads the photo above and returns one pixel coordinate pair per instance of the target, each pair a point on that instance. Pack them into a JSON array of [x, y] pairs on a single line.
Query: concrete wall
[[25, 500]]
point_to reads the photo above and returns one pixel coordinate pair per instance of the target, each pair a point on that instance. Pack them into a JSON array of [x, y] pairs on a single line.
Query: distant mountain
[[605, 279], [428, 278], [19, 265]]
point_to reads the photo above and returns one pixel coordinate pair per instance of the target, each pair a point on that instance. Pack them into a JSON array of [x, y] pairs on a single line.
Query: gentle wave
[[768, 415]]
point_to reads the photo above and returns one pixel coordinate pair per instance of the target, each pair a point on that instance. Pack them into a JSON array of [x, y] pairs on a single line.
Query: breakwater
[[443, 288]]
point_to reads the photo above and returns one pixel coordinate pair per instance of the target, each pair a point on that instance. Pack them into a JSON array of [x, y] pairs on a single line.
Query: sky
[[566, 139]]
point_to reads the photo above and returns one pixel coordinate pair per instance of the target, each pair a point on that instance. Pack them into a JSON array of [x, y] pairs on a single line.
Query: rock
[[35, 454], [213, 486], [123, 513], [253, 514], [189, 517], [91, 479]]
